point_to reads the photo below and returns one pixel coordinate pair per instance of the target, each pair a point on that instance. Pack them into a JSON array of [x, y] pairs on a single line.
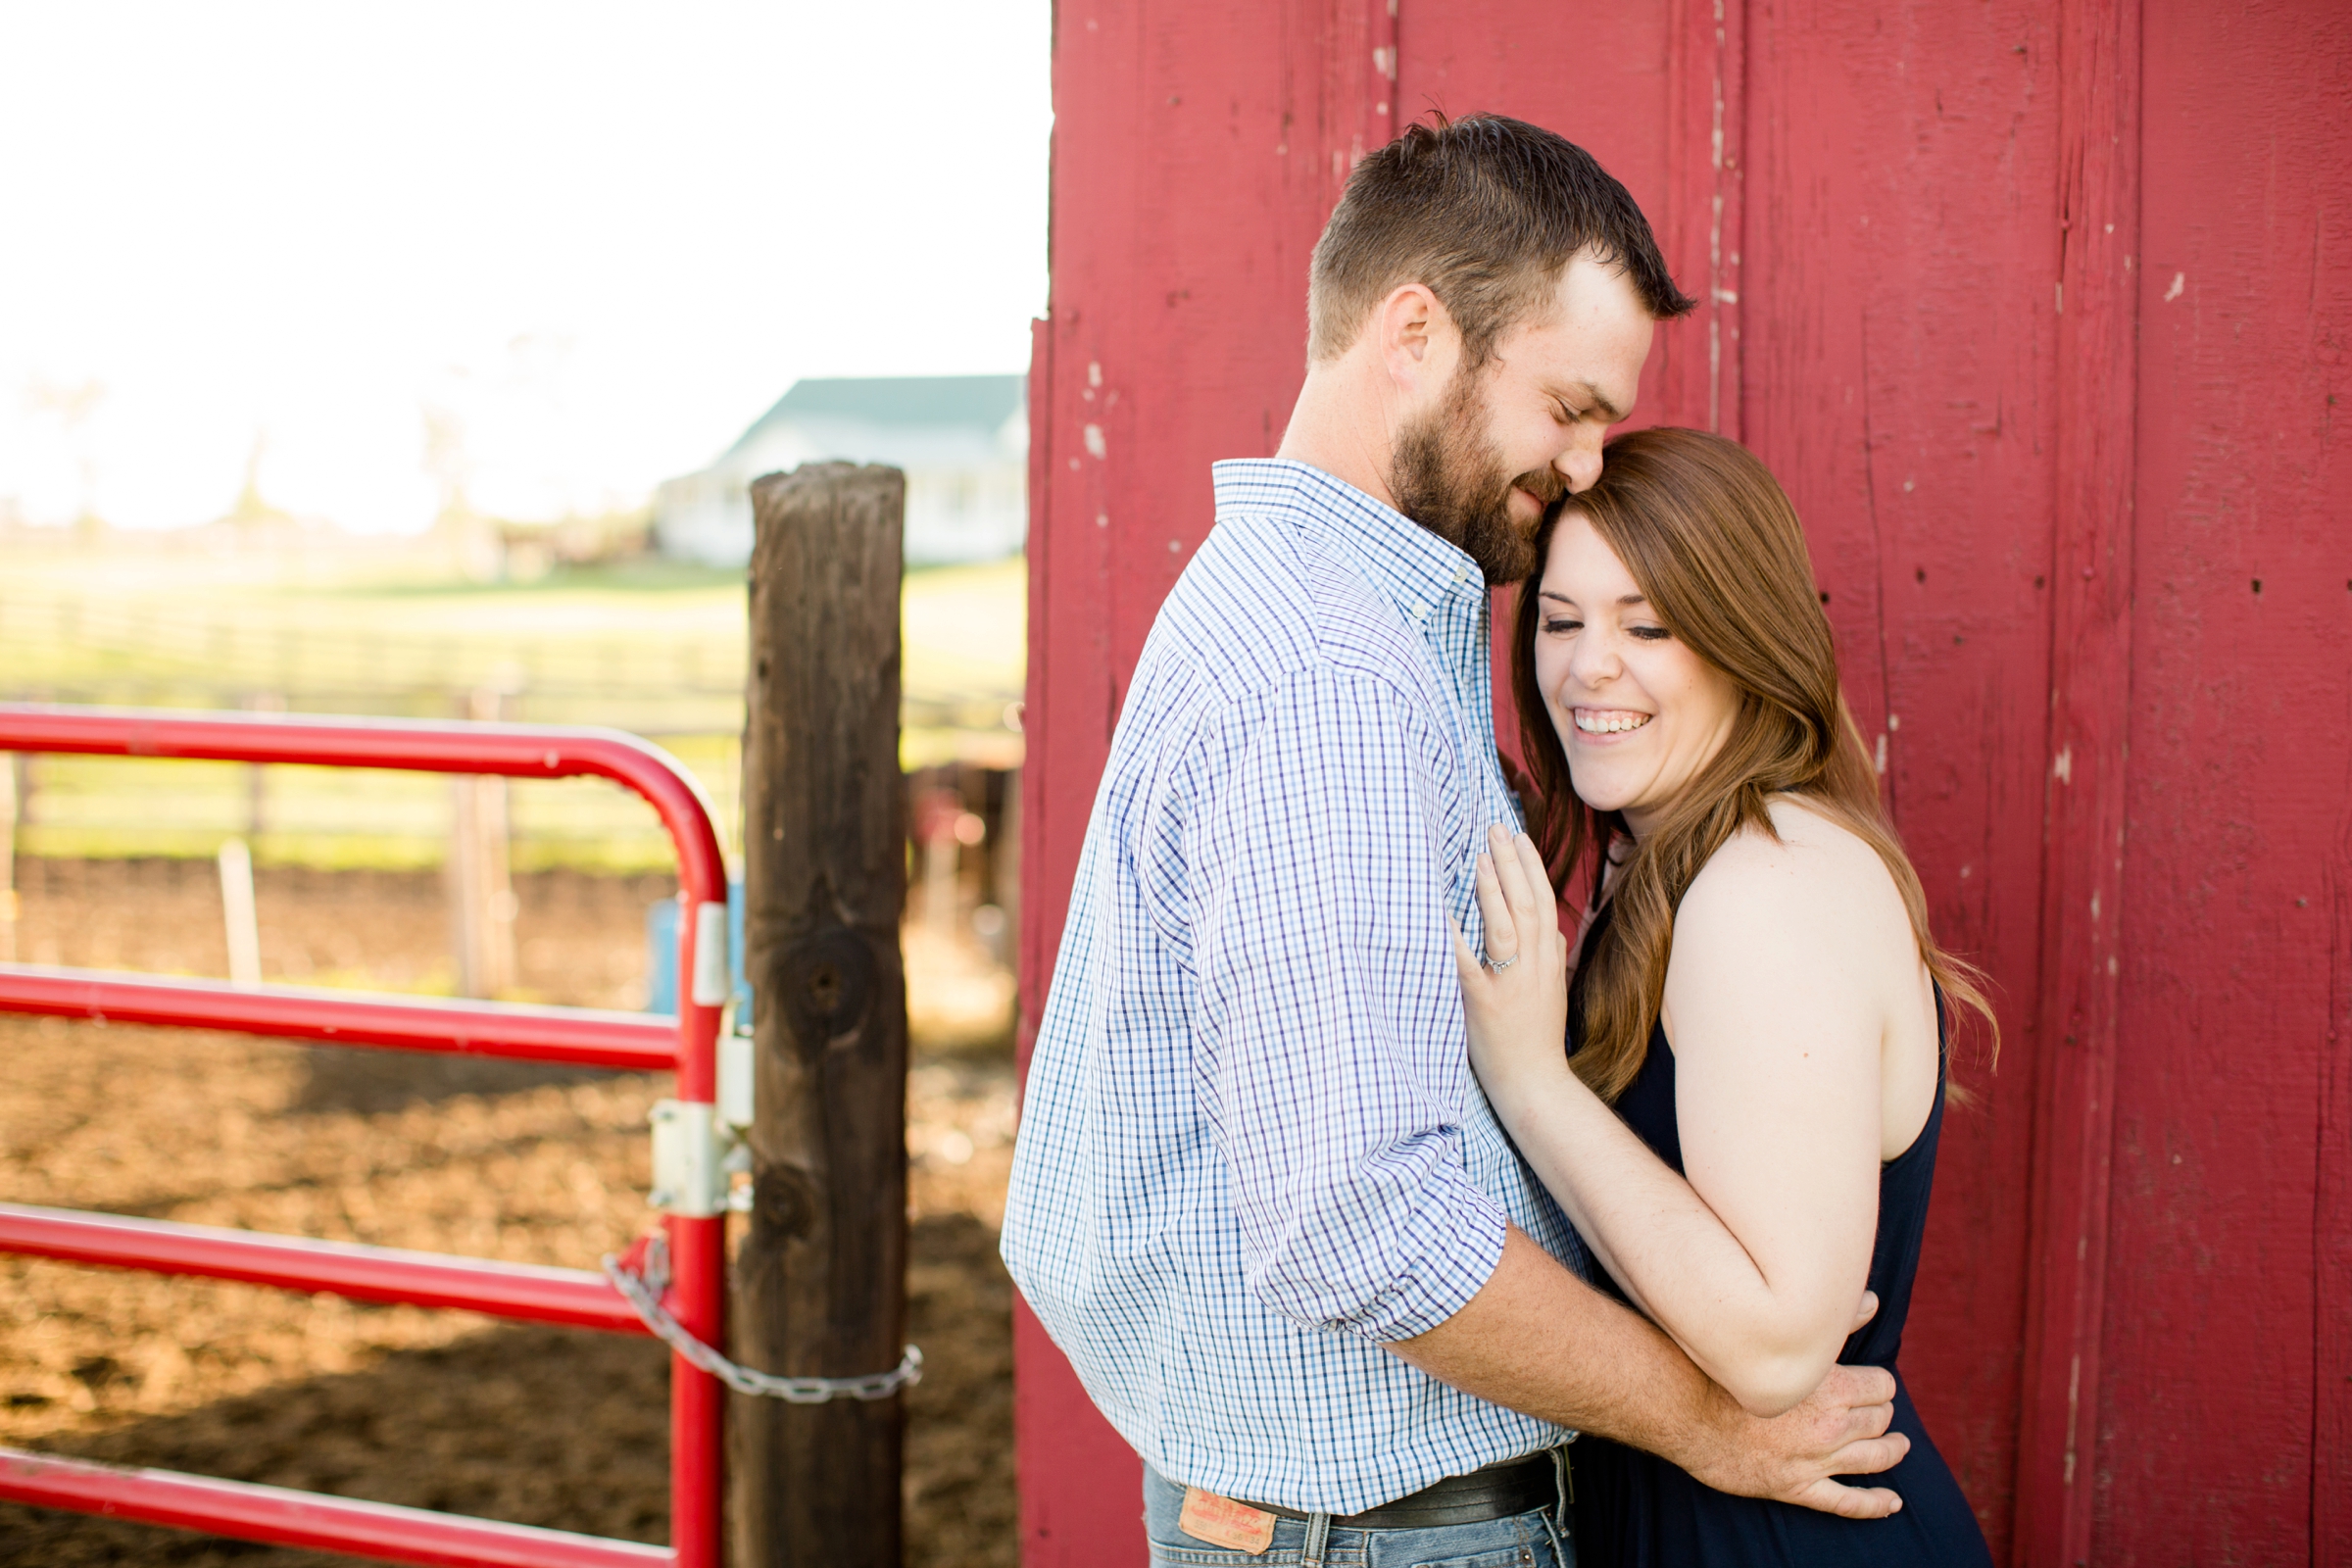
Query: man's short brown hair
[[1485, 212]]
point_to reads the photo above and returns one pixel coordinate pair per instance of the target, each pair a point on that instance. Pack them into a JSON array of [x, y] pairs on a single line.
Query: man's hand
[[1840, 1430], [1539, 1340]]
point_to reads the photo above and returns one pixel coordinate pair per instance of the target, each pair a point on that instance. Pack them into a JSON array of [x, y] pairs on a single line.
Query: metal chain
[[643, 1293]]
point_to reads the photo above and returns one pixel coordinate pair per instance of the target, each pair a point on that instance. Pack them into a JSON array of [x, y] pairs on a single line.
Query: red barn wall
[[2228, 1334], [1938, 244]]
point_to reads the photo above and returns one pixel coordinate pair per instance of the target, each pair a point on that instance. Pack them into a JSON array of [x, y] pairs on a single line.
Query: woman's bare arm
[[1776, 1000]]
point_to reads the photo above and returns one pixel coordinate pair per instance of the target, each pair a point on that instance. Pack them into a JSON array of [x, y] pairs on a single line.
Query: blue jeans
[[1538, 1539]]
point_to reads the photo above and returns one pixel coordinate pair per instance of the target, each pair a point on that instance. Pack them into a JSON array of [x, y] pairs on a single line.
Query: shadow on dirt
[[353, 1078], [558, 1428], [536, 1425]]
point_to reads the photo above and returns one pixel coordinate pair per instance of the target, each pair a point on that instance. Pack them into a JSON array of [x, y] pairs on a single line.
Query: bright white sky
[[593, 240]]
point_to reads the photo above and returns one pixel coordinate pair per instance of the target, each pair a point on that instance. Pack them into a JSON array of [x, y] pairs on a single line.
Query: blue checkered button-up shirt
[[1251, 1149]]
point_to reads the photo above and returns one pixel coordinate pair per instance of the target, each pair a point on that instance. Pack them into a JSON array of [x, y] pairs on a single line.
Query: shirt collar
[[1409, 567]]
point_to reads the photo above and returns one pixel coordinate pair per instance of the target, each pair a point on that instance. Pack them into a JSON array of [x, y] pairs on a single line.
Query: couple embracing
[[1391, 1225]]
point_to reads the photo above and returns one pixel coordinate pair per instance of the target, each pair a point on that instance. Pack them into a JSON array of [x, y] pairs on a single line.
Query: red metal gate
[[575, 1035]]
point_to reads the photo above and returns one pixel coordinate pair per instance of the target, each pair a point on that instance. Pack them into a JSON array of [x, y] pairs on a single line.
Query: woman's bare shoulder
[[1816, 879]]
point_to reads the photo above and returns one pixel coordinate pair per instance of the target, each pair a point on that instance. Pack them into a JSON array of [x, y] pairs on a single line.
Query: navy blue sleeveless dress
[[1632, 1508]]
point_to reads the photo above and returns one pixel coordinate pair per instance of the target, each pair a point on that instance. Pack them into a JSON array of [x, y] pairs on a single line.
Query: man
[[1258, 1199]]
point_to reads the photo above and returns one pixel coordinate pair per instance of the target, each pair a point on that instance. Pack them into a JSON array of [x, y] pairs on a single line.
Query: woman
[[1743, 1126]]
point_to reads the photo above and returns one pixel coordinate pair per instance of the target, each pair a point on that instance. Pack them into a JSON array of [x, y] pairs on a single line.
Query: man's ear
[[1416, 337]]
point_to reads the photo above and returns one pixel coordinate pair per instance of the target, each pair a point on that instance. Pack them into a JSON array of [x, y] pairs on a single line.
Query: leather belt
[[1497, 1491]]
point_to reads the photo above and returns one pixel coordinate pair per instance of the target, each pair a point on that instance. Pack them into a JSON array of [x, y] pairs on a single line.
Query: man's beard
[[1449, 478]]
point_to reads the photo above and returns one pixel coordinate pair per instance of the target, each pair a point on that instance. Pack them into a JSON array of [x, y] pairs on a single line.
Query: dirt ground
[[435, 1409]]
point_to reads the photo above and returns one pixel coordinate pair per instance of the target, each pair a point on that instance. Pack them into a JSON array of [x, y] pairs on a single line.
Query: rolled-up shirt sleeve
[[1330, 1050]]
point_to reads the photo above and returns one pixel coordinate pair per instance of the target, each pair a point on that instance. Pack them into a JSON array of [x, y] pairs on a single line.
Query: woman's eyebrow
[[1555, 594]]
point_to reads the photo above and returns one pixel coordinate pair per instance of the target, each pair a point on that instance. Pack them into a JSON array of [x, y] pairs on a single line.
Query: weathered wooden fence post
[[9, 903], [820, 1282], [482, 883]]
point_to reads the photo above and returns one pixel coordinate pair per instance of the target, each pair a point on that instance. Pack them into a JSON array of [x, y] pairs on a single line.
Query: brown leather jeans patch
[[1223, 1522]]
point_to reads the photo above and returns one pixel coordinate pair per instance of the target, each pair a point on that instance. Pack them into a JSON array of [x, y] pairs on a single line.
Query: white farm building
[[962, 440]]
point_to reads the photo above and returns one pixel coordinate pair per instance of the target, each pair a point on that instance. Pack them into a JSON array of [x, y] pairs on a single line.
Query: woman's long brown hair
[[1715, 546]]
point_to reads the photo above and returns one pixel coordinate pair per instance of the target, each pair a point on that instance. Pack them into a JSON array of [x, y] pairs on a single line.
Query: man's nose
[[1579, 464]]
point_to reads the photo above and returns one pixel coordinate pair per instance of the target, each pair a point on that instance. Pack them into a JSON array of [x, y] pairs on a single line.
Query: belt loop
[[1318, 1532], [1563, 1478]]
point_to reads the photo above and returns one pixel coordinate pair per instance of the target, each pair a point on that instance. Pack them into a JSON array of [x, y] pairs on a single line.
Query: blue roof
[[980, 402]]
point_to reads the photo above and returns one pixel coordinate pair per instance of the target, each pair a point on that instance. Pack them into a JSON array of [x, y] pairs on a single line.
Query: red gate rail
[[578, 1036], [286, 1518], [685, 1045], [533, 1291]]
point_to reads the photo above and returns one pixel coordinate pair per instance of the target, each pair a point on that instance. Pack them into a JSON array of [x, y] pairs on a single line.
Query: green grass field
[[652, 648]]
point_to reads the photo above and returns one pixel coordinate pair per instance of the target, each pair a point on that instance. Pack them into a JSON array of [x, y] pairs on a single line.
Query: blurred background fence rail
[[663, 659]]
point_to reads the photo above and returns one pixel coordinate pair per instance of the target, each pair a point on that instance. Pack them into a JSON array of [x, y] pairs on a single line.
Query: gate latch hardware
[[698, 1150]]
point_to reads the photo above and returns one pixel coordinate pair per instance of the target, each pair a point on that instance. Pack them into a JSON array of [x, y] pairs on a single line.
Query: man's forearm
[[1542, 1341]]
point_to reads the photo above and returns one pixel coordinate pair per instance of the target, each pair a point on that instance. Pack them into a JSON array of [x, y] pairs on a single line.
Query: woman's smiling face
[[1638, 714]]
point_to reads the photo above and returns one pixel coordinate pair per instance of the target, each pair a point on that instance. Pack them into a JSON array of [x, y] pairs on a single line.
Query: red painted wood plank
[[1896, 304], [1605, 77], [1081, 1486], [1198, 150], [1040, 919], [2331, 1241], [1700, 225], [2332, 1359], [1596, 75], [2082, 905], [2221, 1410]]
